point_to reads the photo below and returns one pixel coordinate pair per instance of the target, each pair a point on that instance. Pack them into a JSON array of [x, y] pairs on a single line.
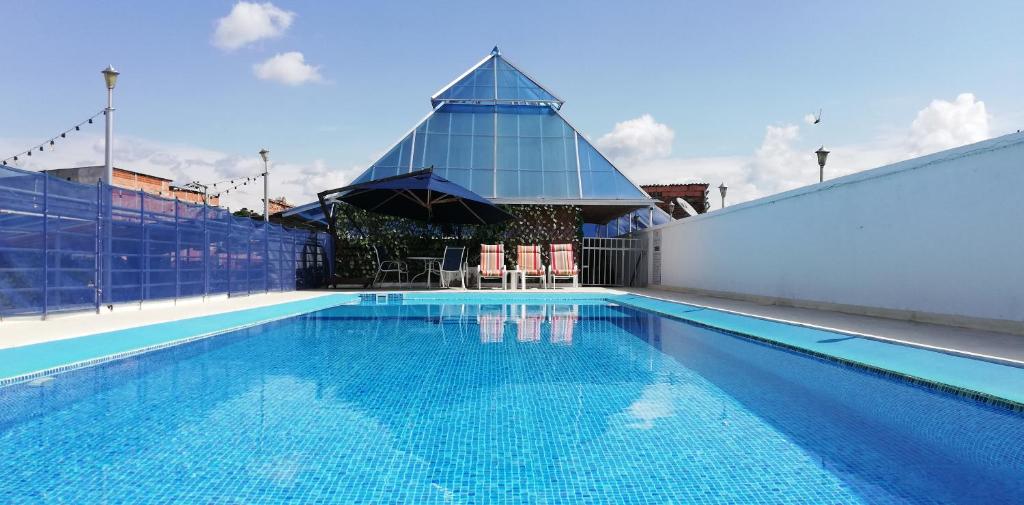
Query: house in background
[[694, 194], [138, 181]]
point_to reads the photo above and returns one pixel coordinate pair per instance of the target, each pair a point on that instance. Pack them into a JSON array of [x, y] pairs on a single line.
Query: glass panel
[[483, 182], [508, 183], [460, 151], [531, 183], [554, 155], [556, 185], [508, 125], [436, 153], [508, 154], [529, 154], [462, 123], [483, 123], [461, 177], [483, 153], [529, 125], [439, 122]]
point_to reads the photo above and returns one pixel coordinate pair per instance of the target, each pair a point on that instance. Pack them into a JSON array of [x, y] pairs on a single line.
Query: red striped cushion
[[492, 260], [529, 259], [563, 261]]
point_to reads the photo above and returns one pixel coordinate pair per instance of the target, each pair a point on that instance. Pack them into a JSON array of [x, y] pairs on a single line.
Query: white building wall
[[938, 238]]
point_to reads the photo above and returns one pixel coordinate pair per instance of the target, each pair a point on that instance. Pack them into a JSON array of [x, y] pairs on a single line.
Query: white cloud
[[299, 183], [637, 140], [944, 125], [783, 161], [288, 68], [250, 22]]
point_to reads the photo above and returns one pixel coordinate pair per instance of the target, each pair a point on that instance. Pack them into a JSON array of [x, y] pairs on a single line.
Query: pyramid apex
[[495, 51]]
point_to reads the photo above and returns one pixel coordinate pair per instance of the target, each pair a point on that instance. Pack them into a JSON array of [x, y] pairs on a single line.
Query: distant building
[[695, 194], [128, 179], [279, 204]]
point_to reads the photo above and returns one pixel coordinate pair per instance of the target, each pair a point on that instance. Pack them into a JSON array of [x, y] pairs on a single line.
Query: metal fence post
[[248, 260], [96, 264], [227, 246], [177, 253], [206, 253], [144, 256], [266, 257], [46, 243]]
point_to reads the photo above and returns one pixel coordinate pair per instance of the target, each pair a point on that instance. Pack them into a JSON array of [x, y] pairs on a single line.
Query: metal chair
[[453, 266], [387, 265]]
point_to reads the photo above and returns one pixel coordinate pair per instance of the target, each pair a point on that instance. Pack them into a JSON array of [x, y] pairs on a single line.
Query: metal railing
[[613, 262]]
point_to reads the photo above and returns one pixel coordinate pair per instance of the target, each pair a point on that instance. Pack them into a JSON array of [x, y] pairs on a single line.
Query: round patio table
[[428, 267]]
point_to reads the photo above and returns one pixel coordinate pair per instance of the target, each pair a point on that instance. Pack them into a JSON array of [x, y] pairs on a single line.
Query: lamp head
[[110, 76], [722, 189], [265, 154], [822, 156]]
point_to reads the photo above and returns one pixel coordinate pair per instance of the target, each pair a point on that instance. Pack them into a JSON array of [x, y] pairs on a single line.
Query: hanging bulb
[[90, 120], [40, 148], [64, 135], [77, 128], [30, 153], [51, 142], [15, 158]]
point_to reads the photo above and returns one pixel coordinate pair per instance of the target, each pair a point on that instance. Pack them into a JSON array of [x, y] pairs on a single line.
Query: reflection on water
[[531, 322]]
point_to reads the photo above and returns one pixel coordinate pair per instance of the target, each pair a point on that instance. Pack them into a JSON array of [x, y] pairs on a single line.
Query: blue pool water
[[425, 403]]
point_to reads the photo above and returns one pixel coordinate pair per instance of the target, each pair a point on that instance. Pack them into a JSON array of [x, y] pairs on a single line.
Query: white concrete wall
[[937, 238]]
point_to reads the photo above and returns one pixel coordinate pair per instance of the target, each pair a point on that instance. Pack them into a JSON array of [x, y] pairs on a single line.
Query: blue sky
[[724, 86]]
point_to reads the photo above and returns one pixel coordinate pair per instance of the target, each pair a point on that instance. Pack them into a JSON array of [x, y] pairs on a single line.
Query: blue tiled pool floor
[[488, 403]]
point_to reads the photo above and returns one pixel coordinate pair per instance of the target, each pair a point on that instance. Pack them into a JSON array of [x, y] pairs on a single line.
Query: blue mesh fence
[[68, 246]]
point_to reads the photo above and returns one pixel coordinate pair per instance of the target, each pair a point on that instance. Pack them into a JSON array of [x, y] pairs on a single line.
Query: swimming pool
[[582, 400]]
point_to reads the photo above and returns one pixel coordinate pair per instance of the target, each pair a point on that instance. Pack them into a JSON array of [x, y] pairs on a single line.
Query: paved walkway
[[1001, 347], [19, 332]]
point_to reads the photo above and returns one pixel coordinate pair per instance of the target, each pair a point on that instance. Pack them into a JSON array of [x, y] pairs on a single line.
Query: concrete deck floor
[[1000, 347], [995, 346]]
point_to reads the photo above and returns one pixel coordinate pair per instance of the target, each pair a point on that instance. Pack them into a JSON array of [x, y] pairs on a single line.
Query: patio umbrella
[[421, 195]]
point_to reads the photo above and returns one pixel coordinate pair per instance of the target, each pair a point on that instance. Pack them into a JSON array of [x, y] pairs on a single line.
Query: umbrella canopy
[[421, 195]]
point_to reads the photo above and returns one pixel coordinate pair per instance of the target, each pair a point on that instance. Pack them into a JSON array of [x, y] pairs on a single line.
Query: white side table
[[516, 279]]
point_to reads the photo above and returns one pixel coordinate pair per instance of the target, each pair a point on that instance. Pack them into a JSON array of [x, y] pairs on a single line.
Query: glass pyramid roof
[[517, 150], [494, 81]]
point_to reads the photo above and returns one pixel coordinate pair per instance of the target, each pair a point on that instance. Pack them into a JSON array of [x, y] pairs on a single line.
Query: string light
[[52, 142]]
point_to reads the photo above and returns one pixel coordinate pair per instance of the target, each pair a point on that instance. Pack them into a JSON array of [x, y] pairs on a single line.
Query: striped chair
[[529, 264], [492, 263], [563, 264]]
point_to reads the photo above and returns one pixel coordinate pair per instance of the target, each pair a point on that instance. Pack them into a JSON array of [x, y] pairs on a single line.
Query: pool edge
[[302, 307], [931, 384]]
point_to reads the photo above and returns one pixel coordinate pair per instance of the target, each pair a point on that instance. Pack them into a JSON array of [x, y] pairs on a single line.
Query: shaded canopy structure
[[420, 195], [497, 131]]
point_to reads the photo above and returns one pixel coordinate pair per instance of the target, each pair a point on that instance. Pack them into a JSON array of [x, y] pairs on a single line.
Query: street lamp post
[[722, 189], [110, 77], [822, 156], [265, 154]]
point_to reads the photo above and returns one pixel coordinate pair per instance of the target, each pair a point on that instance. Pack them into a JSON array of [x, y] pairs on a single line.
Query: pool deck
[[21, 332], [989, 345]]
